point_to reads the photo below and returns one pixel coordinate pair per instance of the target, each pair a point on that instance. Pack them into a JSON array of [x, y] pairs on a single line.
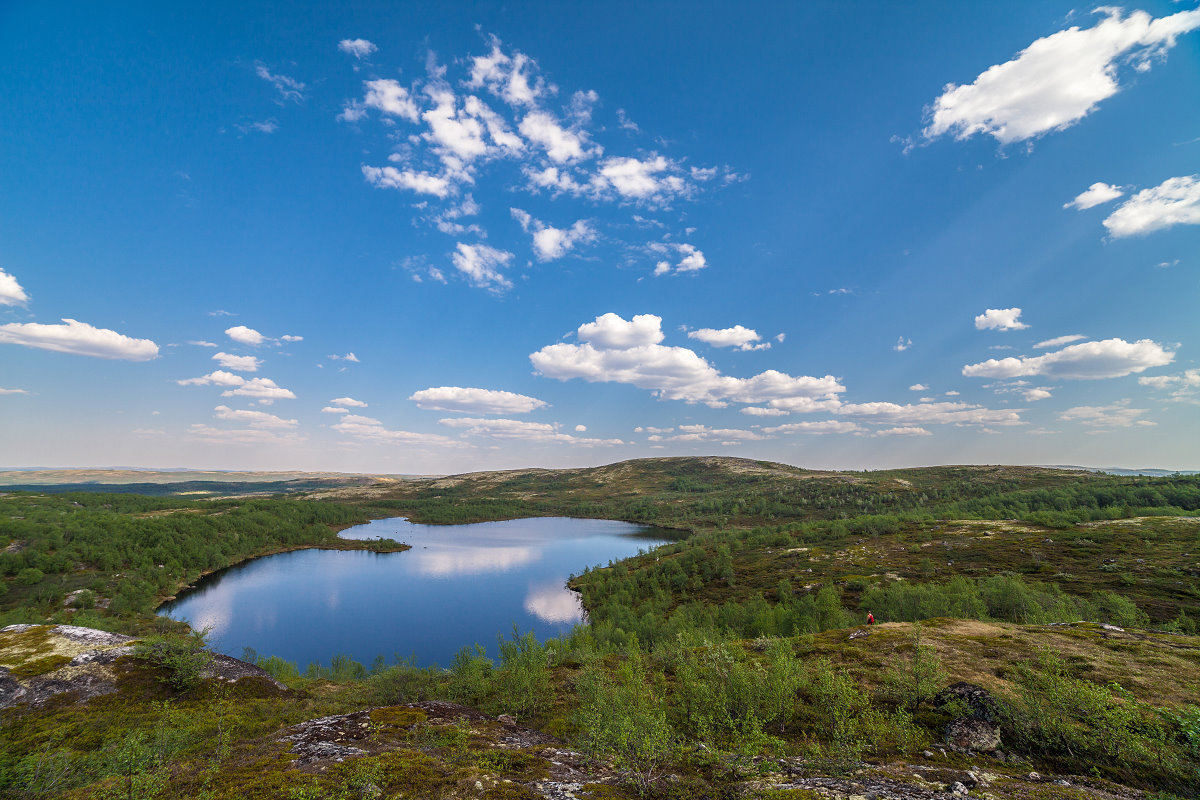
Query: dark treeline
[[125, 550]]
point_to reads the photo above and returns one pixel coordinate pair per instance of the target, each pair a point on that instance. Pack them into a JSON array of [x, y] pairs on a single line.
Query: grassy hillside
[[711, 492]]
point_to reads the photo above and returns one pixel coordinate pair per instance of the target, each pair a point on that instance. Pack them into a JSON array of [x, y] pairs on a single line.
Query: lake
[[458, 585]]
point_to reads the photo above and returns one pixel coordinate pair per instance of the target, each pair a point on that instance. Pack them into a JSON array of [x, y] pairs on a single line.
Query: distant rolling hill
[[1145, 472], [182, 481]]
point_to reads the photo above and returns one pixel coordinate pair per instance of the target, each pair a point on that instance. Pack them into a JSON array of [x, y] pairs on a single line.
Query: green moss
[[602, 791], [411, 774], [506, 790], [512, 764], [17, 646], [39, 666], [267, 778], [398, 716]]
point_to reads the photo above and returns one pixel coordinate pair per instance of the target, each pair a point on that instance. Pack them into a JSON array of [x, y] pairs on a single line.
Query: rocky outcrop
[[38, 662], [331, 738], [978, 729], [973, 734]]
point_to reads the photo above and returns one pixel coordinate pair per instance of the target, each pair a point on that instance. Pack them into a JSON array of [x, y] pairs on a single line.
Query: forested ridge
[[120, 553]]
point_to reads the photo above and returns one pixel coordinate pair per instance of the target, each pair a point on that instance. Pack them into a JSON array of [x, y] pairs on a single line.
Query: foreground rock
[[978, 730], [38, 662]]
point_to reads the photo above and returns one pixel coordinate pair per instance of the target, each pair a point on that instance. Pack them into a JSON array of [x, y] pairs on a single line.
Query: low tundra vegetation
[[707, 664], [699, 715]]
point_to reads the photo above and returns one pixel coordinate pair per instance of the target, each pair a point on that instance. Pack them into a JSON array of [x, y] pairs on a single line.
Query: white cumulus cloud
[[519, 429], [690, 258], [482, 264], [610, 331], [1057, 80], [1096, 194], [550, 243], [655, 180], [703, 433], [239, 363], [255, 419], [943, 413], [389, 97], [359, 48], [475, 401], [243, 335], [903, 431], [818, 427], [1184, 387], [759, 411], [264, 390], [1175, 201], [510, 78], [78, 338], [347, 401], [561, 144], [419, 182], [1000, 319], [1110, 358], [738, 337], [11, 293], [620, 351]]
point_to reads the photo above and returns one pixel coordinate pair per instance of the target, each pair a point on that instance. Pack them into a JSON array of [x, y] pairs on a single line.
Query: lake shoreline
[[371, 545], [474, 579]]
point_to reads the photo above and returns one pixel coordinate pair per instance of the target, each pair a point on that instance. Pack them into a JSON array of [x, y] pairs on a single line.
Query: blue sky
[[428, 238]]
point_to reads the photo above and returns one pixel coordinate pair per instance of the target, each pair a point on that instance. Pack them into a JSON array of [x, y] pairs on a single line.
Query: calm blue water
[[458, 585]]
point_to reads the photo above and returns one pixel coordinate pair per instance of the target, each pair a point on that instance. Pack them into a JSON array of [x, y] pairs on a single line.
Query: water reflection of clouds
[[307, 604], [447, 562], [554, 603]]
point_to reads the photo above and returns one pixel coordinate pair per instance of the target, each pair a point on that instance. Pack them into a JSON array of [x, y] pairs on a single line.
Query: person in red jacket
[[870, 618]]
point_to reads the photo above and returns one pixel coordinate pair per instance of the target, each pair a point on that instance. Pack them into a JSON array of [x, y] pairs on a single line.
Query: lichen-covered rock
[[38, 662], [979, 701], [973, 733], [228, 668]]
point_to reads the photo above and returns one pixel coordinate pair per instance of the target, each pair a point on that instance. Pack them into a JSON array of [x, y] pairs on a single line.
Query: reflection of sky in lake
[[459, 584]]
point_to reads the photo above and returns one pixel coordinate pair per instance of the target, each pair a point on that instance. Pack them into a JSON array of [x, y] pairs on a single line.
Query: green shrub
[[523, 679], [471, 676], [183, 657], [30, 576], [621, 717], [840, 705], [1089, 725], [912, 681]]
